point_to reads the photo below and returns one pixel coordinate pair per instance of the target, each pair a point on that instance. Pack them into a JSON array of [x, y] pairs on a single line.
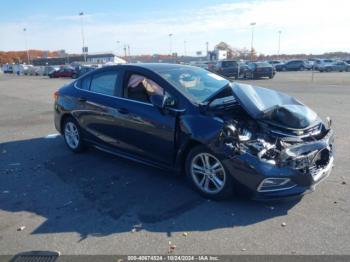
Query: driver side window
[[141, 88]]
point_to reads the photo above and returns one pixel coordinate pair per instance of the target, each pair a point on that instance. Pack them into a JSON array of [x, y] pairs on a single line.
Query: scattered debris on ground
[[284, 224], [21, 228], [185, 234], [171, 247]]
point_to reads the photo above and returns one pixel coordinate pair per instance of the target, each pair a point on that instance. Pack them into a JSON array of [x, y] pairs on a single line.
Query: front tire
[[72, 135], [207, 174]]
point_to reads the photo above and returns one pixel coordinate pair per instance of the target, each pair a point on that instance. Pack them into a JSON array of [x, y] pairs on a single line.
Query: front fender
[[194, 130], [203, 129]]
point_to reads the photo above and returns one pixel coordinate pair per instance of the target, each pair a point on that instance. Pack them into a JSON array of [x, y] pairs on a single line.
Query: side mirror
[[162, 101], [157, 101], [166, 104]]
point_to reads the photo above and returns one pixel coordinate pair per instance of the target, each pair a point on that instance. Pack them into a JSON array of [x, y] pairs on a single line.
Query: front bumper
[[297, 189], [251, 172]]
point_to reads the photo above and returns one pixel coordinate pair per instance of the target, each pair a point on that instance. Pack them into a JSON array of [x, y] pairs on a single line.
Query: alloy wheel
[[208, 173], [71, 135]]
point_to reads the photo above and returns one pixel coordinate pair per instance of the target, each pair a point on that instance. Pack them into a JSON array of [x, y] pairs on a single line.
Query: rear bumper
[[57, 118]]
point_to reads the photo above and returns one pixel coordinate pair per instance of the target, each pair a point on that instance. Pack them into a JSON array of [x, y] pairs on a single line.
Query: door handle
[[82, 99], [123, 111]]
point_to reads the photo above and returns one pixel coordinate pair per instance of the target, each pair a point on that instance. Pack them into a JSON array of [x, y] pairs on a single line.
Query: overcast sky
[[308, 26]]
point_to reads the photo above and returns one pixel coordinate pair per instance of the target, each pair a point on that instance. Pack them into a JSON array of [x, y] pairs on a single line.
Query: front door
[[143, 129]]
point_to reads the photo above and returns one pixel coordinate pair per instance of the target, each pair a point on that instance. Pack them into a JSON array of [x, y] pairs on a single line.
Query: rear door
[[98, 106]]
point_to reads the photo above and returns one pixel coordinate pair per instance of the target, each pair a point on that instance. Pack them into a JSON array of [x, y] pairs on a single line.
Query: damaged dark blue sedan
[[222, 135]]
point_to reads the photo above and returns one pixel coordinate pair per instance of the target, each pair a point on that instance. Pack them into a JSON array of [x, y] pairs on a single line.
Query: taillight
[[56, 95]]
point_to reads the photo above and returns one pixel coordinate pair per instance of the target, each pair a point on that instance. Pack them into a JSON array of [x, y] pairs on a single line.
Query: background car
[[64, 72], [227, 68], [259, 69], [279, 67], [277, 64], [338, 66], [82, 70], [274, 62], [296, 65], [321, 62]]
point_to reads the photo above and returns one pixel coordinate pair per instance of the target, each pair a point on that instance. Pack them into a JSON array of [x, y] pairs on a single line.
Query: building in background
[[97, 58]]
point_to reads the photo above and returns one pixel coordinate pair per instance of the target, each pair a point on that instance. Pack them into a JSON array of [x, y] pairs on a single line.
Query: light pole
[[118, 42], [124, 51], [251, 44], [170, 45], [26, 44], [81, 14], [279, 42]]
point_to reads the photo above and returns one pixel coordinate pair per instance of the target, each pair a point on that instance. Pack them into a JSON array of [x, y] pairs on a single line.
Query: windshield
[[196, 83]]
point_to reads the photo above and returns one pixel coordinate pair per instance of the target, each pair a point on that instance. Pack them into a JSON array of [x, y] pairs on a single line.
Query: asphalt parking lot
[[94, 203]]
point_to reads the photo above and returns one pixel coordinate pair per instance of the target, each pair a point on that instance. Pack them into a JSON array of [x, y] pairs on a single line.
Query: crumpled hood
[[274, 107]]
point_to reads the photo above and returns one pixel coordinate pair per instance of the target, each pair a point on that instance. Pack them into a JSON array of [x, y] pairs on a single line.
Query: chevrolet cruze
[[222, 135]]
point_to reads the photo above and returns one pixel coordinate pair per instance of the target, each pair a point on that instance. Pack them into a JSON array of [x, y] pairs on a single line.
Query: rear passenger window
[[104, 83], [85, 83]]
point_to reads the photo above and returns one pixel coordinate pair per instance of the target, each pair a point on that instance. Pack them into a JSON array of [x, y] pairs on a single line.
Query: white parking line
[[50, 136]]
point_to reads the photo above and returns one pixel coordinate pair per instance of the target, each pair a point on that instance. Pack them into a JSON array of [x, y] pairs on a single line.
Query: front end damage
[[269, 141], [275, 163]]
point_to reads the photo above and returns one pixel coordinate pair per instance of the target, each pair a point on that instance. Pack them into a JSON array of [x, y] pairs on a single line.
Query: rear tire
[[72, 135], [207, 174]]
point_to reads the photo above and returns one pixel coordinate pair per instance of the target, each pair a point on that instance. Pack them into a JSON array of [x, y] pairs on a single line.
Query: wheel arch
[[63, 119], [196, 130], [183, 153]]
